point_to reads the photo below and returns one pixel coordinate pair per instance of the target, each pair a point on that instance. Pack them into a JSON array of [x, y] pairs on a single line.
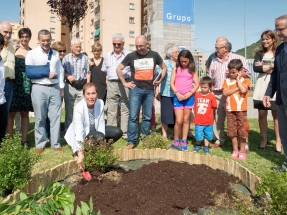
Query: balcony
[[148, 38], [97, 9], [144, 30], [145, 19], [97, 24]]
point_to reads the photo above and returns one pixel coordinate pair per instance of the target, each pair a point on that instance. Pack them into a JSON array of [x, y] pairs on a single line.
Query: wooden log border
[[69, 167]]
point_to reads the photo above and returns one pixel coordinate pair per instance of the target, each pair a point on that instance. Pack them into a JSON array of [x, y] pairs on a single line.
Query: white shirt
[[2, 83], [37, 57]]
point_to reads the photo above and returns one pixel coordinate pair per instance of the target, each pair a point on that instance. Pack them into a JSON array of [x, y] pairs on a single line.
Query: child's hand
[[187, 95], [239, 76], [179, 97]]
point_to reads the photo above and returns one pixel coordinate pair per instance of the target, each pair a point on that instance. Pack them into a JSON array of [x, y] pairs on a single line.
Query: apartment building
[[168, 21], [103, 19], [200, 60], [36, 15], [15, 29]]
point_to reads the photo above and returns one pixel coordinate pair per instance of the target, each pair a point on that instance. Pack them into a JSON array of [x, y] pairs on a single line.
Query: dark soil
[[163, 187]]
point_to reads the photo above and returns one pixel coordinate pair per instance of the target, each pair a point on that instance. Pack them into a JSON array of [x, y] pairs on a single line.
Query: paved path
[[251, 113]]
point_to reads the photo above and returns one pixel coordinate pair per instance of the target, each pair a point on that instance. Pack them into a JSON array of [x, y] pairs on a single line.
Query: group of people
[[41, 78]]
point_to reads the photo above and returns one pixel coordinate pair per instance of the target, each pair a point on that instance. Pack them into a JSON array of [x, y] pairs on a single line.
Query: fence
[[254, 75]]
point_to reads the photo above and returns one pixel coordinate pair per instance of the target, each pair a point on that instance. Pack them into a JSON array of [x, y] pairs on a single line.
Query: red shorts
[[237, 124]]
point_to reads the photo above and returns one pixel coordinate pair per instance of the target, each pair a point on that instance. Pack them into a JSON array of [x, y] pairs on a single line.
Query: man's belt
[[46, 85]]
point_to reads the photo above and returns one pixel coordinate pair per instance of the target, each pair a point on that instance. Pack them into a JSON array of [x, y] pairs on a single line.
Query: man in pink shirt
[[218, 71]]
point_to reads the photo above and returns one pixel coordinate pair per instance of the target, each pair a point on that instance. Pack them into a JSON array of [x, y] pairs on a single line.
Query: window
[[132, 20], [131, 47], [132, 6], [52, 30], [52, 19], [82, 27], [63, 34], [92, 22], [132, 34]]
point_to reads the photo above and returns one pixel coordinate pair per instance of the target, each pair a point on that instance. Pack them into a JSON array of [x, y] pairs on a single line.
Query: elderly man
[[142, 63], [115, 90], [77, 73], [8, 58], [278, 84], [45, 94], [218, 71]]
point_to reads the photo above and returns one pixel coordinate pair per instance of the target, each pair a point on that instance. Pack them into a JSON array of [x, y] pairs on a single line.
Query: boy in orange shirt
[[236, 89]]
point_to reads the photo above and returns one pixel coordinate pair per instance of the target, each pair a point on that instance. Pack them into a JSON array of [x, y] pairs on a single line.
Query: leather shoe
[[60, 149], [215, 146], [39, 150], [129, 146]]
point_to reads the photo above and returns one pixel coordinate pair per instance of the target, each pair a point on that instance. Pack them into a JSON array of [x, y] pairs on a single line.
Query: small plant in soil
[[56, 199], [16, 163], [98, 154], [155, 141], [272, 191]]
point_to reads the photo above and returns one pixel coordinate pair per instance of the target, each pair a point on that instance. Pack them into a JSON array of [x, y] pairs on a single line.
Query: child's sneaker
[[206, 150], [242, 156], [183, 145], [174, 145], [197, 148], [235, 154]]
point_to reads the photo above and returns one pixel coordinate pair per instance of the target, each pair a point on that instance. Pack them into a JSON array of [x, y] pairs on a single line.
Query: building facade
[[103, 19], [168, 21], [199, 61], [15, 29]]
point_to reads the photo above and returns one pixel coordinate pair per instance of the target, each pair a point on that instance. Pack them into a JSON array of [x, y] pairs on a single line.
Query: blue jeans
[[8, 89], [139, 97]]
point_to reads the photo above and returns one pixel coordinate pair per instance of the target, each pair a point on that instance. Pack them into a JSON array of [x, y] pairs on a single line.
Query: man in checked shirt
[[77, 73], [218, 72]]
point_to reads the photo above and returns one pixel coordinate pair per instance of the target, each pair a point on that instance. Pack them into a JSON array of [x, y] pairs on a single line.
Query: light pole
[[245, 28]]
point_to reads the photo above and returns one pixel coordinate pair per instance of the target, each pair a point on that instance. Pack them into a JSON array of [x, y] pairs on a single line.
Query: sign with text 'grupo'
[[178, 11]]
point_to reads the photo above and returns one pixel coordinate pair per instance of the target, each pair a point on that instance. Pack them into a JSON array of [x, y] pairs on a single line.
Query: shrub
[[155, 141], [56, 199], [98, 154], [276, 185], [16, 163]]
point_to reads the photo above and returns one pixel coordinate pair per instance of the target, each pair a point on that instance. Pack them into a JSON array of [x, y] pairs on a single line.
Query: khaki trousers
[[117, 92], [219, 118]]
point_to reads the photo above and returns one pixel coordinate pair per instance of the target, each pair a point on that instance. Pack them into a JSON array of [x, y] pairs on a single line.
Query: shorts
[[203, 131], [184, 104], [237, 124]]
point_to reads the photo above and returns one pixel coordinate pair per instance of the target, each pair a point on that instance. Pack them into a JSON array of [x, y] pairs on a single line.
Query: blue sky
[[212, 19]]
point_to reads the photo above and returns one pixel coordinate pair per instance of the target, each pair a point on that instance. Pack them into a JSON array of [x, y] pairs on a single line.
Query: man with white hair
[[77, 73], [8, 58], [115, 90]]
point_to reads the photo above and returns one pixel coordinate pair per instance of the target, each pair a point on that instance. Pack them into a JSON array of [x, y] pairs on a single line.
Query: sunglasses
[[117, 44], [63, 51]]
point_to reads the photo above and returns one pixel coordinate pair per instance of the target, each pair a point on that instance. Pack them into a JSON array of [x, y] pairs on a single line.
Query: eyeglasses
[[217, 48], [279, 30], [8, 32], [117, 44], [27, 37], [63, 51]]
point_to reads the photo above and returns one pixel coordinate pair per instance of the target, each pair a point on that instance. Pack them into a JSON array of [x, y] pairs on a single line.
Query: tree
[[71, 12]]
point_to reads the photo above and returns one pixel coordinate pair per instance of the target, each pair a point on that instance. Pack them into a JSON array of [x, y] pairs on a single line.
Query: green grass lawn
[[258, 161]]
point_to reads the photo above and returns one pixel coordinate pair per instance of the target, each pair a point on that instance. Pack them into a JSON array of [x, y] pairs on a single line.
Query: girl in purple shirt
[[184, 83]]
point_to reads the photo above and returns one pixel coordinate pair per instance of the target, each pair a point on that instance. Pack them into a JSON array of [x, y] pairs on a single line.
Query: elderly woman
[[165, 94], [88, 120]]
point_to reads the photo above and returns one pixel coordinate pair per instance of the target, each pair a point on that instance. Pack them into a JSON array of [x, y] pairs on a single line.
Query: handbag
[[37, 72], [79, 84]]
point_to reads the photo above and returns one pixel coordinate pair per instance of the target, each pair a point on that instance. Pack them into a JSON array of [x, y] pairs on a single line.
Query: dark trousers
[[3, 120], [112, 132]]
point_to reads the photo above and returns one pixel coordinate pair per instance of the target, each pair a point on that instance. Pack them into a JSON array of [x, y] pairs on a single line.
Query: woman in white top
[[88, 119], [3, 106], [263, 64]]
